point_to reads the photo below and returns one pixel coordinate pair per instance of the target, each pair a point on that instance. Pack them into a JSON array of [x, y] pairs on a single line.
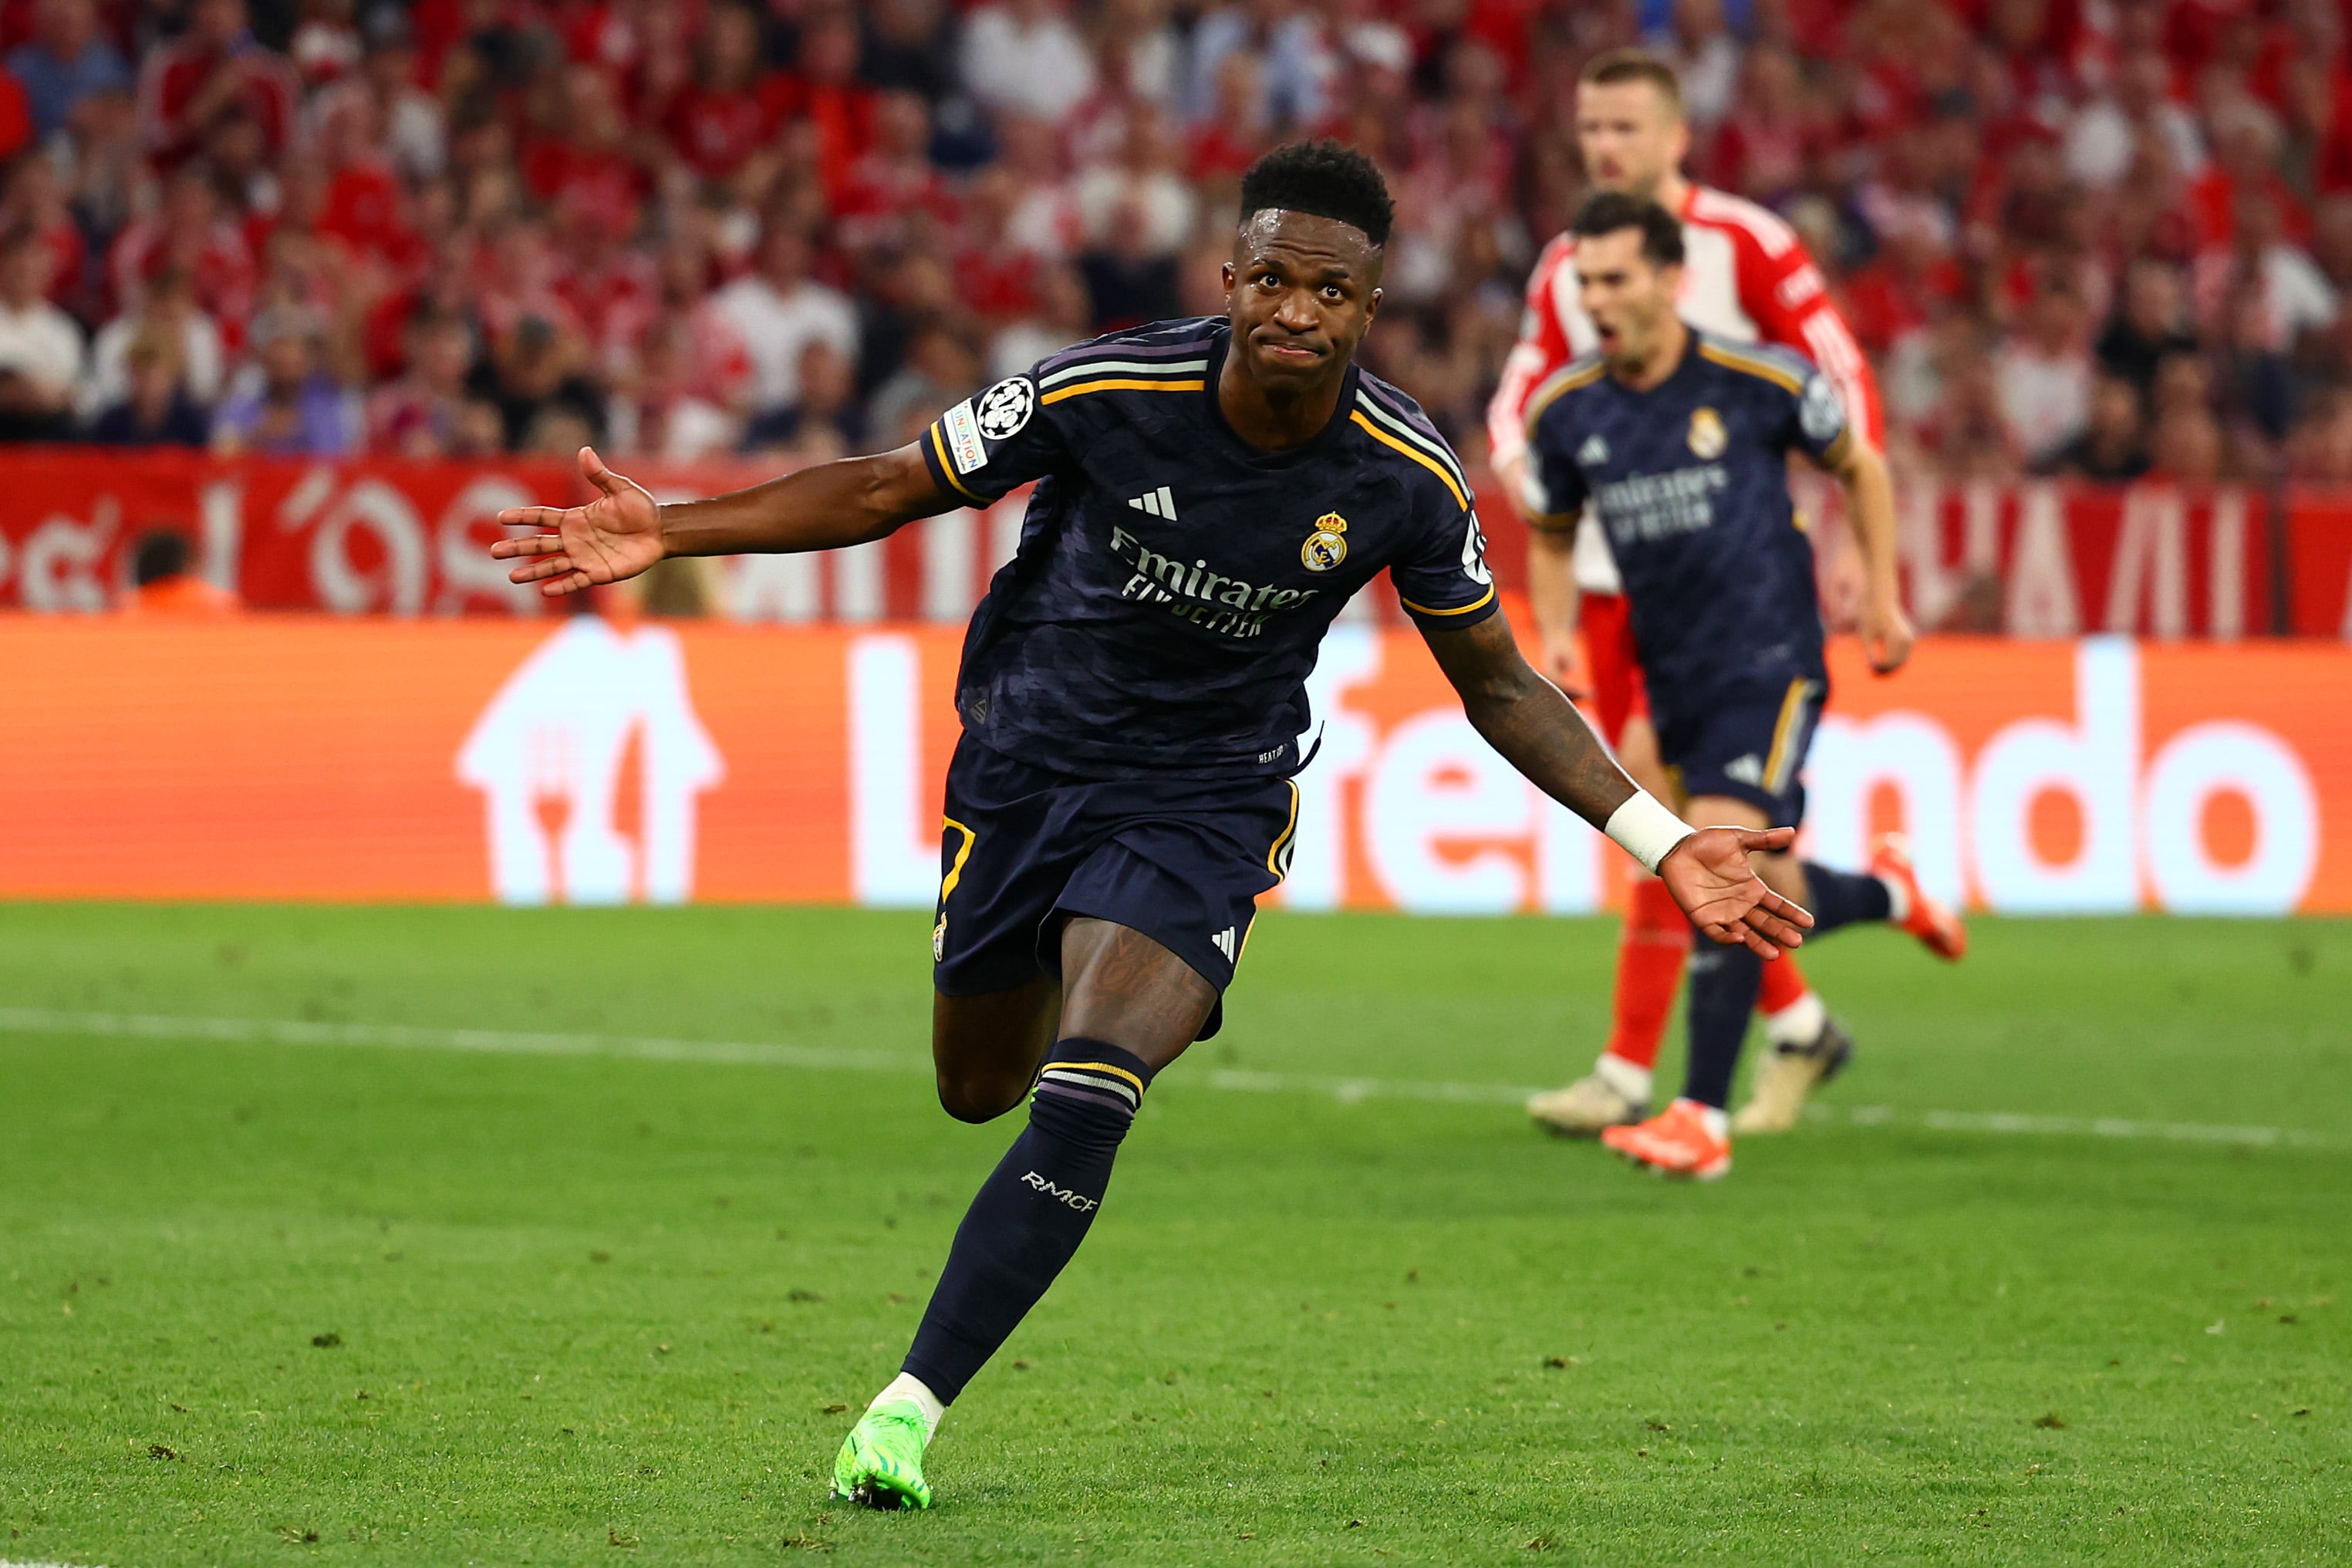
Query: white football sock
[[908, 1389], [1716, 1122], [1799, 1023], [1898, 901], [1631, 1082]]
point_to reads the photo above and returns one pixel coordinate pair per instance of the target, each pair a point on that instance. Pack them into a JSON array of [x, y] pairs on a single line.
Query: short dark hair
[[1326, 178], [160, 554], [1611, 66], [1661, 232]]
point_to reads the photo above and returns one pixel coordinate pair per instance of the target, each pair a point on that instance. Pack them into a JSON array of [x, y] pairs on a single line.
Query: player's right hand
[[1710, 877], [610, 539]]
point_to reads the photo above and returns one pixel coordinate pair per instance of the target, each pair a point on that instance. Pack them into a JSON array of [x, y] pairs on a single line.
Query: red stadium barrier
[[298, 757], [407, 539]]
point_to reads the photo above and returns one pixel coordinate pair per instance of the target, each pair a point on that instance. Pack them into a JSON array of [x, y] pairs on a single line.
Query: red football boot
[[1938, 928], [1675, 1142]]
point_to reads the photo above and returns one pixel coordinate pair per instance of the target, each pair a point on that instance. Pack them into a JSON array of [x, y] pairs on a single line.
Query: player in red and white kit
[[1746, 277]]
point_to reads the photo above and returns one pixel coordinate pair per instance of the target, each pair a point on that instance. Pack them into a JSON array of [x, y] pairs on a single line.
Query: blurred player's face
[[1301, 292], [1629, 297], [1631, 138]]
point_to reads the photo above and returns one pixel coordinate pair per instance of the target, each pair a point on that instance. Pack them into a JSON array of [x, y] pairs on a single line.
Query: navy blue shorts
[[1751, 751], [1025, 848]]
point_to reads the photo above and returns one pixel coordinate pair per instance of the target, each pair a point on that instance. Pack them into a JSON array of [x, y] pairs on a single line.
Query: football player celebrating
[[1745, 278], [1210, 493], [1680, 442]]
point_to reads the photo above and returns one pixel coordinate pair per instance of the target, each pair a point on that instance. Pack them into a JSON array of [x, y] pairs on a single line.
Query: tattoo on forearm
[[1525, 717]]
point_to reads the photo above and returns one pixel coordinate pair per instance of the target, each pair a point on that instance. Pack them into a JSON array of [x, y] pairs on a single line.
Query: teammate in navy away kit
[[1209, 495], [1680, 442]]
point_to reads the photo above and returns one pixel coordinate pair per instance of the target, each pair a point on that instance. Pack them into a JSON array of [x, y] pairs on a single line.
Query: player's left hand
[[1709, 876], [1886, 634]]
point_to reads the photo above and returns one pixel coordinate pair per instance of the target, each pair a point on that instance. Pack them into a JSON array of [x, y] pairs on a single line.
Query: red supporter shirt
[[175, 74], [716, 132]]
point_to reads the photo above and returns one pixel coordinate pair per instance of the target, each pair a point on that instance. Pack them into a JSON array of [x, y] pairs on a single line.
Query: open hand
[[1711, 878], [610, 539]]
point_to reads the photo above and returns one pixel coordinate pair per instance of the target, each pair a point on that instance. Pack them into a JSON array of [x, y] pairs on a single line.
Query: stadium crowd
[[2082, 236]]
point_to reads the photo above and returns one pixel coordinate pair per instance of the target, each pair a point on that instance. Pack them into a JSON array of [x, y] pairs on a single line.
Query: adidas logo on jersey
[[1593, 452], [1159, 503], [1748, 770], [1224, 942]]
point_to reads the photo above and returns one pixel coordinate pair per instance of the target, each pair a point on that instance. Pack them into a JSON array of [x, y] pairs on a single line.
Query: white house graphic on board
[[589, 759]]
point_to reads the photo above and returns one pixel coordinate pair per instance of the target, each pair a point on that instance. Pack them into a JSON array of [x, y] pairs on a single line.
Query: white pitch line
[[1346, 1091]]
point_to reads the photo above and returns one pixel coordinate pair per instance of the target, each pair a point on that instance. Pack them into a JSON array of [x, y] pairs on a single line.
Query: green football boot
[[881, 1461]]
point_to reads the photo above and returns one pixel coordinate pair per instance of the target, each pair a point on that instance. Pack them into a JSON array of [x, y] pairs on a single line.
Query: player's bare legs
[[1125, 989], [986, 1047], [1693, 1136], [1128, 990], [1652, 944], [1127, 1008]]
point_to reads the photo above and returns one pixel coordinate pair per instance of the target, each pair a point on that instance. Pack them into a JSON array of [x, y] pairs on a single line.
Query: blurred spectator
[[777, 312], [666, 414], [65, 62], [1295, 61], [287, 404], [1045, 221], [825, 422], [213, 67], [938, 369], [35, 201], [2290, 295], [2105, 134], [163, 582], [1141, 53], [510, 223], [189, 233], [2189, 447], [1024, 56], [170, 311], [1142, 188], [1706, 56], [425, 413], [1061, 314], [2112, 446], [908, 46], [2253, 392], [2151, 324], [40, 345], [2043, 376], [535, 376], [155, 409]]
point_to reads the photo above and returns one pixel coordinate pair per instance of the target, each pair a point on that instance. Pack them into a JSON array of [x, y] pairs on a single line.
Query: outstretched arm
[[1540, 732], [624, 530]]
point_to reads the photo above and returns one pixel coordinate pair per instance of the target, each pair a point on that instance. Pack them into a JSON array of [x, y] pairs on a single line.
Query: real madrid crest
[[1326, 546], [1708, 436]]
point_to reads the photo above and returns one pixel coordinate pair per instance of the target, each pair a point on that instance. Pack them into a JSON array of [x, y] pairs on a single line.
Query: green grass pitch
[[398, 1302]]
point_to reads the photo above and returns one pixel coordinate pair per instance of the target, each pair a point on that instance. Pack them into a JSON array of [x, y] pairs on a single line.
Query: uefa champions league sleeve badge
[[1326, 546]]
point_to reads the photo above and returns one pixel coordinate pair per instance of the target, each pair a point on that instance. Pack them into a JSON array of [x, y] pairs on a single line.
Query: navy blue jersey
[[1690, 480], [1173, 582]]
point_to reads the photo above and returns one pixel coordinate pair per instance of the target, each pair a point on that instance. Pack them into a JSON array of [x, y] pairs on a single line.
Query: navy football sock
[[1843, 897], [1723, 985], [1031, 1213]]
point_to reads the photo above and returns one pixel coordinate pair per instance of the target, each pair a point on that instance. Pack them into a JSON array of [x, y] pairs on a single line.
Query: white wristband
[[1645, 830]]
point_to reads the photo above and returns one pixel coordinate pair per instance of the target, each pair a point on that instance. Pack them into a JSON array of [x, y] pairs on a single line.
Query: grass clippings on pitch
[[314, 1298]]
